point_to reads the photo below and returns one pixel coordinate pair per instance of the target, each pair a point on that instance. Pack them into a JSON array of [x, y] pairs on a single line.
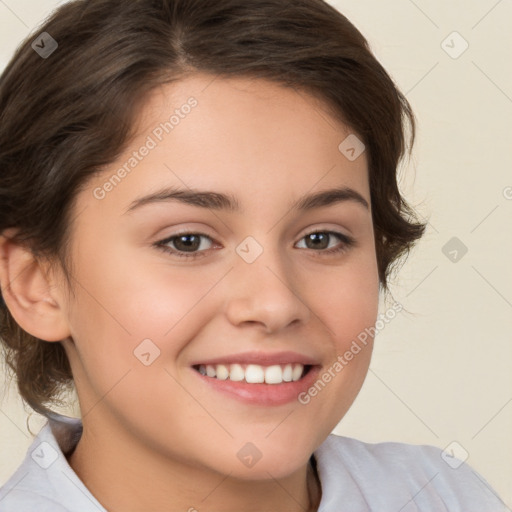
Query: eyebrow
[[221, 201]]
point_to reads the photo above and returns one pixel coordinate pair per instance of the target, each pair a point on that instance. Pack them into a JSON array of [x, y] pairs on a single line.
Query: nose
[[265, 292]]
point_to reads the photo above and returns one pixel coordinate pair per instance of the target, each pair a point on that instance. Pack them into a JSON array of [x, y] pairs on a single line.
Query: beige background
[[441, 373]]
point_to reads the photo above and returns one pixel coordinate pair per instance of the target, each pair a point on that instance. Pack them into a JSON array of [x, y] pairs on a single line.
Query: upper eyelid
[[312, 228]]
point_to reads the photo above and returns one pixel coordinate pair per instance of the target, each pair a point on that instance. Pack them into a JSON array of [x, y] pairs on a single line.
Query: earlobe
[[27, 292]]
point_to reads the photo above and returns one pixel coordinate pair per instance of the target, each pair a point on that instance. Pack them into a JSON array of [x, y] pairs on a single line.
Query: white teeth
[[236, 373], [297, 372], [222, 372], [274, 374], [254, 373], [287, 373]]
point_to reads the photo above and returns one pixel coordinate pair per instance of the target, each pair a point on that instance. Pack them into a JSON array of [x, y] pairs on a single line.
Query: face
[[169, 287]]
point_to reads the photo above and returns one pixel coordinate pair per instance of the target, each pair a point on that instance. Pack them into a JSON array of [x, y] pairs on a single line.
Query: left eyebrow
[[221, 201]]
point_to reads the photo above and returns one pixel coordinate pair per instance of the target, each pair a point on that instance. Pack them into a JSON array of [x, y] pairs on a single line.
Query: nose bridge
[[261, 260], [262, 288]]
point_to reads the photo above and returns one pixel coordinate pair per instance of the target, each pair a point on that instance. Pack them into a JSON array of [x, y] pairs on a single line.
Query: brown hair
[[64, 117]]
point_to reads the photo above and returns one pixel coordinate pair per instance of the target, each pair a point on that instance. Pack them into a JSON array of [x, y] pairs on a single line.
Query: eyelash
[[347, 243]]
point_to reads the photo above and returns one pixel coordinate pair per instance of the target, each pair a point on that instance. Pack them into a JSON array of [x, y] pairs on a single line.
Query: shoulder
[[404, 476], [25, 501], [28, 490], [44, 481]]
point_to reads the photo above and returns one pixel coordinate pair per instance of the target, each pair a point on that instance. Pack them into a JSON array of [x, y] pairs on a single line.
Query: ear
[[27, 291]]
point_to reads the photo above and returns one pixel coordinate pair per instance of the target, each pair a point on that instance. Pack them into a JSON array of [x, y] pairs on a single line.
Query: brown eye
[[187, 242], [185, 245], [319, 241]]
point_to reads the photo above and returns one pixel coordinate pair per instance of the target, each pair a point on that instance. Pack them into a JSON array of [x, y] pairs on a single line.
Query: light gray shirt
[[355, 477]]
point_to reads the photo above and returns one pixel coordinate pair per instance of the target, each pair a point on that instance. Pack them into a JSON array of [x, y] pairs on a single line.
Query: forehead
[[256, 139]]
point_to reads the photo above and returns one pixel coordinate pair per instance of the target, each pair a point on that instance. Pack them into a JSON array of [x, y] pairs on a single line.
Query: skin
[[158, 430]]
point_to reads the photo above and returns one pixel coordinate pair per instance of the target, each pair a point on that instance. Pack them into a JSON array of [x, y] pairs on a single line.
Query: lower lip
[[262, 394]]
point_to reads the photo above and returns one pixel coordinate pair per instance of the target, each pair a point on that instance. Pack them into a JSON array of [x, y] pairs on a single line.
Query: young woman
[[199, 209]]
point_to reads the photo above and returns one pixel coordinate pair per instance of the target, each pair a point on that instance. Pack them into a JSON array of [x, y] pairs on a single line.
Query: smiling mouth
[[255, 373]]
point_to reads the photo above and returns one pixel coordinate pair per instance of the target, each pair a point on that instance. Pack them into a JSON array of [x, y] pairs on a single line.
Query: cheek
[[130, 322], [346, 298], [346, 302], [133, 296], [134, 309]]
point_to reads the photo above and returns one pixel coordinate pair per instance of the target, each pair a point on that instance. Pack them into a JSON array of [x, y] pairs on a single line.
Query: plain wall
[[441, 372]]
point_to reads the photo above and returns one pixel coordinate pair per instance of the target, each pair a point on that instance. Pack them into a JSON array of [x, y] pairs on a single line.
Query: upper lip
[[260, 358]]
